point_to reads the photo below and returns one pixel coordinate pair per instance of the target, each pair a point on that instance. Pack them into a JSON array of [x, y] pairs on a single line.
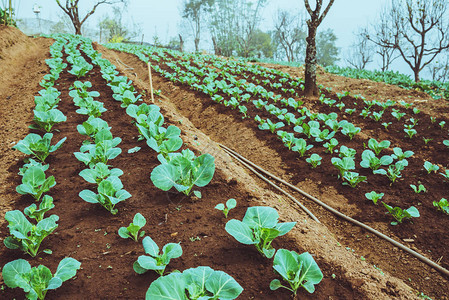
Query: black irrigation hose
[[277, 187], [341, 215]]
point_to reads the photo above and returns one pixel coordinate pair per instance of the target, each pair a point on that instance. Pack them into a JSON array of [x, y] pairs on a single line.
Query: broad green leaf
[[54, 283], [231, 203], [139, 220], [203, 170], [241, 232], [310, 272], [67, 268], [172, 250], [223, 286], [149, 263], [13, 269], [275, 284], [18, 221], [170, 287], [88, 196], [124, 233], [261, 216], [150, 246], [164, 176], [285, 227], [285, 263]]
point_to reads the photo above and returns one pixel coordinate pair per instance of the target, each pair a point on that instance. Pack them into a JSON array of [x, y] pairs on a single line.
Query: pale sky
[[163, 17]]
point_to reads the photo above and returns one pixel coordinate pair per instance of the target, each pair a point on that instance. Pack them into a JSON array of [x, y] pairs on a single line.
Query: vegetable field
[[132, 196]]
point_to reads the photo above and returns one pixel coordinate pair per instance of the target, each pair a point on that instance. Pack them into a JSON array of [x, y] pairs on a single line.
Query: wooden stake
[[151, 83]]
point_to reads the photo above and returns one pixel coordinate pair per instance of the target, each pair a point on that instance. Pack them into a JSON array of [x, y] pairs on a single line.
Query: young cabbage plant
[[29, 162], [369, 160], [259, 227], [162, 140], [288, 138], [350, 130], [40, 147], [410, 132], [419, 189], [269, 125], [394, 171], [314, 160], [347, 152], [243, 110], [398, 115], [183, 171], [343, 164], [373, 196], [353, 179], [155, 260], [331, 144], [102, 151], [99, 172], [225, 208], [430, 167], [91, 108], [400, 155], [143, 110], [132, 231], [195, 283], [45, 120], [442, 205], [25, 235], [92, 126], [299, 270], [110, 192], [401, 214], [127, 98], [33, 212], [37, 281], [301, 146], [377, 147], [35, 183]]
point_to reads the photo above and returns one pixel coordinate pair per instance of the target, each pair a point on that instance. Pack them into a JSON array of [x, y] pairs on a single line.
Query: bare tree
[[383, 36], [420, 31], [289, 33], [316, 17], [248, 22], [439, 70], [361, 52], [71, 8], [194, 11]]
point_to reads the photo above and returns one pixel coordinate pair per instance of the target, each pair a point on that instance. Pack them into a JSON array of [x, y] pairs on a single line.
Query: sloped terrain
[[88, 232]]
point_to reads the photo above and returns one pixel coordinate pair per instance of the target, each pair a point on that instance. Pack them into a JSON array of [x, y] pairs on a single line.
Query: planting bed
[[88, 232]]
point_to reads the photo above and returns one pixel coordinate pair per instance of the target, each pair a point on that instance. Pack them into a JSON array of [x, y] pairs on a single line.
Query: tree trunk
[[416, 73], [181, 43], [310, 88], [216, 49], [197, 43]]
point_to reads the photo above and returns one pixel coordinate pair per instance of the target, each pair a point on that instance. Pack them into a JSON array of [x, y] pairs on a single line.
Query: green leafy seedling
[[373, 196], [442, 205], [35, 183], [299, 270], [259, 227], [230, 204], [419, 189], [430, 167], [34, 144], [401, 214], [37, 281], [132, 231], [154, 260], [195, 283]]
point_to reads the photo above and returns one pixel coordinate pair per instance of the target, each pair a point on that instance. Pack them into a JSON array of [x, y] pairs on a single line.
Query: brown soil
[[88, 233]]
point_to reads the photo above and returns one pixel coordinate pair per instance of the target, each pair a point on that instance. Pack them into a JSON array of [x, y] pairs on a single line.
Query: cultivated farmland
[[339, 148]]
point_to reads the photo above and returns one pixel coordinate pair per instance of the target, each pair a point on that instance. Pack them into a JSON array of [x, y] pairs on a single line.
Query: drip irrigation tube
[[424, 259], [278, 188]]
